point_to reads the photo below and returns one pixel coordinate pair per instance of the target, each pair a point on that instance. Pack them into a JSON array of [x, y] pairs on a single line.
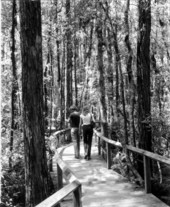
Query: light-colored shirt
[[86, 118]]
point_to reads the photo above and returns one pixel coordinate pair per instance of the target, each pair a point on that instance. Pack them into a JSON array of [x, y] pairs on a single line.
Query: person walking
[[74, 120], [85, 121]]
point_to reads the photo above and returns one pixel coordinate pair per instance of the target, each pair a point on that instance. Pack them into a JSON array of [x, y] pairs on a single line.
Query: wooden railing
[[147, 156], [53, 142], [73, 186], [55, 138]]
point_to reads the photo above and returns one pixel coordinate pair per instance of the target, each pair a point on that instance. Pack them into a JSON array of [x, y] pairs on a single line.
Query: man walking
[[74, 120]]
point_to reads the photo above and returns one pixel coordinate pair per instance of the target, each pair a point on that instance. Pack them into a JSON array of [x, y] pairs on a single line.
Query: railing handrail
[[60, 132], [55, 198], [112, 142], [67, 172], [146, 157], [74, 185], [148, 154]]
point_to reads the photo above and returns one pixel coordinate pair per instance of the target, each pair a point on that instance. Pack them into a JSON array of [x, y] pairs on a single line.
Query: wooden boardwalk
[[105, 188]]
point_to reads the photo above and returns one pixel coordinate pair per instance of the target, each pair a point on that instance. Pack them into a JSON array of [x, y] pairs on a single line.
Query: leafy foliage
[[13, 185]]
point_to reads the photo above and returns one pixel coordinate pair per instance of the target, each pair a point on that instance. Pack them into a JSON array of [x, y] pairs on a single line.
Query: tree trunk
[[64, 68], [14, 83], [123, 105], [119, 66], [116, 57], [90, 43], [110, 68], [75, 58], [62, 100], [118, 60], [103, 109], [130, 72], [75, 71], [36, 172], [69, 58], [60, 73], [143, 75], [45, 97]]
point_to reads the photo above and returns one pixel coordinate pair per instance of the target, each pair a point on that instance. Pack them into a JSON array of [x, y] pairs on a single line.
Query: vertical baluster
[[50, 161], [99, 146], [77, 194], [108, 155], [147, 174], [59, 178]]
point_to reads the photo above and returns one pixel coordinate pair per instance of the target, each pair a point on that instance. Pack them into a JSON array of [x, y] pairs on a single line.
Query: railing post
[[99, 146], [59, 178], [51, 161], [108, 155], [147, 174], [77, 194]]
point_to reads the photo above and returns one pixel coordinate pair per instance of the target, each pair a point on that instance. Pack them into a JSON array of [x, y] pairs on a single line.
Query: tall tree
[[129, 71], [14, 82], [143, 74], [69, 57], [113, 40], [118, 67], [50, 73], [103, 110], [36, 172], [59, 67], [75, 56]]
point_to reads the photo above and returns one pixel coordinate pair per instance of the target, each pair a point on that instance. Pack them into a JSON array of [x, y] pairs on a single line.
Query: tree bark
[[103, 108], [110, 68], [143, 75], [60, 73], [75, 58], [45, 97], [130, 72], [75, 72], [14, 83], [36, 172], [69, 58]]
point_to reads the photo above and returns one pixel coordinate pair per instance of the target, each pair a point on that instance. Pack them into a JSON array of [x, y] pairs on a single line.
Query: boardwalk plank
[[105, 188]]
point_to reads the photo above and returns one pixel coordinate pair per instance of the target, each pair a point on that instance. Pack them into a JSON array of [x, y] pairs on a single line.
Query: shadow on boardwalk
[[105, 188]]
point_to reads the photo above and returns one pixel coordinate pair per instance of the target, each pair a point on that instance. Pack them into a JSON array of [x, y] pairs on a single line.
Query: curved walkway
[[105, 188]]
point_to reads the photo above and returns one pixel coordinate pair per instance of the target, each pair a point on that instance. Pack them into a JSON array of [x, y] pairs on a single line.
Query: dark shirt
[[74, 119]]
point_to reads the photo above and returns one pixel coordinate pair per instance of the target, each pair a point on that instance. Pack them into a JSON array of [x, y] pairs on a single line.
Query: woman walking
[[85, 120]]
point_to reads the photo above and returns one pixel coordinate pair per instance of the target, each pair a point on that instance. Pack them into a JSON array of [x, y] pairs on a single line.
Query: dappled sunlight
[[103, 187]]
